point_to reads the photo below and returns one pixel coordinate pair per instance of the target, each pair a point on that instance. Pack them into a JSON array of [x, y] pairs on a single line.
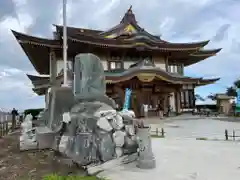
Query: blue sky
[[175, 21]]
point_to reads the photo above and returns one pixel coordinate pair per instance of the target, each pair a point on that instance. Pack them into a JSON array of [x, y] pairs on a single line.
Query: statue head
[[89, 78]]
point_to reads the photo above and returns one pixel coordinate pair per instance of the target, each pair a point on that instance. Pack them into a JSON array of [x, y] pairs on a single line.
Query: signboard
[[127, 99], [237, 109]]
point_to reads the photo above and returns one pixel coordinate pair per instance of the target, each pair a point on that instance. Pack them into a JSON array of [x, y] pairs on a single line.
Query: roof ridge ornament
[[129, 17]]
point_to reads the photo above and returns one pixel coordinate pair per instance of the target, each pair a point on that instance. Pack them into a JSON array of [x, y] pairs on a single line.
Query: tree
[[212, 97], [231, 91], [198, 97], [237, 83]]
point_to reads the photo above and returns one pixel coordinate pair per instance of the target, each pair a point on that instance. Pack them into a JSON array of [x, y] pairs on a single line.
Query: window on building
[[115, 65], [175, 68]]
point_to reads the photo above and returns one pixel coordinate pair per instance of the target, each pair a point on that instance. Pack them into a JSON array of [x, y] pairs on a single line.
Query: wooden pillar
[[137, 98], [182, 69], [53, 67], [194, 99], [166, 63], [178, 101]]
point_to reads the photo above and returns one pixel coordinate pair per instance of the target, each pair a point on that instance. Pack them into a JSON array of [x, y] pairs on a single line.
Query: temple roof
[[144, 70], [148, 44], [127, 35], [148, 69]]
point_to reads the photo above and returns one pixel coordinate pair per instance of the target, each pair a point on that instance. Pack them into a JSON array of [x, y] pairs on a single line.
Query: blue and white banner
[[238, 101], [127, 99]]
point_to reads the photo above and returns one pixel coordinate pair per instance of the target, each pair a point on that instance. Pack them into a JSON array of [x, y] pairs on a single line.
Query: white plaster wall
[[159, 62], [60, 65], [172, 102]]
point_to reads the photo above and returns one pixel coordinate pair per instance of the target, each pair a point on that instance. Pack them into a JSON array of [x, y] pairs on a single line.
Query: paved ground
[[186, 159], [193, 127], [180, 156]]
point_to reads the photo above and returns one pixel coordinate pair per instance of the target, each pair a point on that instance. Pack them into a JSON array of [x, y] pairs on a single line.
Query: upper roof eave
[[118, 43], [24, 38], [198, 56], [206, 52]]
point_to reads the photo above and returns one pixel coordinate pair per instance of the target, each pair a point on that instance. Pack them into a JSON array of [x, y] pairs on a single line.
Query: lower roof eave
[[40, 91], [204, 82]]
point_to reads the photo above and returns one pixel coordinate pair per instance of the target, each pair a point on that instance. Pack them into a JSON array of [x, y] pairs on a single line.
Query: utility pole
[[65, 43]]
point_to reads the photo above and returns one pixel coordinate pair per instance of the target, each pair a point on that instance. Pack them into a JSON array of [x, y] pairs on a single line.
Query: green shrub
[[202, 138], [33, 112], [157, 136], [54, 177]]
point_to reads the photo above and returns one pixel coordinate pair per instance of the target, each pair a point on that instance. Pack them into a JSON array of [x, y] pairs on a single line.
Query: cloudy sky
[[175, 20]]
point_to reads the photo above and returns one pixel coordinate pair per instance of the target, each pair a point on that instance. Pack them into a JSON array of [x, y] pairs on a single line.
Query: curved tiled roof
[[141, 42], [24, 38], [37, 49], [143, 67]]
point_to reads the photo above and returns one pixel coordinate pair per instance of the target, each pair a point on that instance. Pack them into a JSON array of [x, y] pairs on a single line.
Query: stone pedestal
[[45, 137], [146, 158]]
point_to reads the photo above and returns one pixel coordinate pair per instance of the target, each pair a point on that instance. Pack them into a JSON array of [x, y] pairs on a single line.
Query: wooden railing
[[6, 124]]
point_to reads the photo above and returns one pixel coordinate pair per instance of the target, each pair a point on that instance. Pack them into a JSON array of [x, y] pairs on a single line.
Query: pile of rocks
[[98, 135], [121, 127]]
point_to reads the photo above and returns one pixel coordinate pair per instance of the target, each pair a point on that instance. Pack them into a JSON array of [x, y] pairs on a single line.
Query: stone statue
[[27, 137]]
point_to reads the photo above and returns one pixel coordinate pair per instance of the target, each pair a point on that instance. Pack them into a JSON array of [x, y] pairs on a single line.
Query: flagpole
[[65, 42]]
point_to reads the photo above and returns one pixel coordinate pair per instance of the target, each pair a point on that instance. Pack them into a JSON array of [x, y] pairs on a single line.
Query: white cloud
[[175, 20]]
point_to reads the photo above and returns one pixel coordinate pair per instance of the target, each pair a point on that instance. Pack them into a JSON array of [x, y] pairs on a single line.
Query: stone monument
[[146, 159], [82, 122], [95, 131]]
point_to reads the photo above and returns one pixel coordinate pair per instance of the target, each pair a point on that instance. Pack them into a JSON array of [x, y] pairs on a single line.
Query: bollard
[[157, 131], [226, 134], [146, 158], [6, 119], [163, 134], [233, 135]]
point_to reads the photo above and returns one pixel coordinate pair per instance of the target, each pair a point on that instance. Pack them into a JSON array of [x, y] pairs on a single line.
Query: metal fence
[[232, 135]]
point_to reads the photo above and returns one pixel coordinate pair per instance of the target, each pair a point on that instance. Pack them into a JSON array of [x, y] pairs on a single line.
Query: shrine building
[[132, 58]]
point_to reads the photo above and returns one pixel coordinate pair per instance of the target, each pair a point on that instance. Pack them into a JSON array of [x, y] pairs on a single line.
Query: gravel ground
[[29, 165]]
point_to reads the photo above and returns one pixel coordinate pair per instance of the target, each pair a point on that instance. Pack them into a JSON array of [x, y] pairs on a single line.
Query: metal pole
[[65, 42]]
